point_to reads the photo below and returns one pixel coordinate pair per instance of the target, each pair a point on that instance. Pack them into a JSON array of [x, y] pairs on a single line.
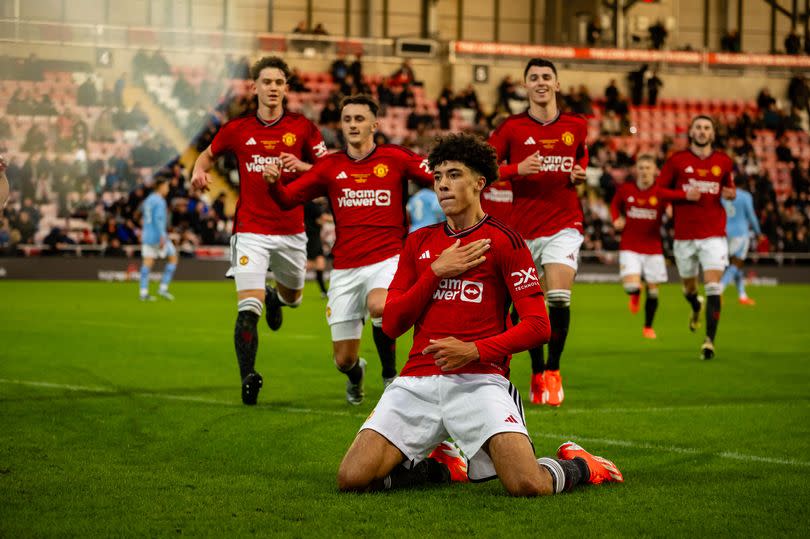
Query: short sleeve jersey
[[546, 202], [705, 218], [473, 305], [257, 143], [367, 197]]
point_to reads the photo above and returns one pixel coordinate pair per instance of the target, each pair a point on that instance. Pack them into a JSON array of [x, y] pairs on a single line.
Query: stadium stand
[[104, 177]]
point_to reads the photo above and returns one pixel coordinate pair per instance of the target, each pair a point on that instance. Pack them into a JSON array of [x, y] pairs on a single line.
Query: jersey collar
[[699, 157], [274, 122], [358, 159], [467, 231], [556, 117]]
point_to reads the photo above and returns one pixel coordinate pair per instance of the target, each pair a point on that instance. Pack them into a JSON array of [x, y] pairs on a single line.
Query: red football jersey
[[367, 197], [496, 200], [473, 305], [257, 143], [705, 218], [546, 202], [642, 211]]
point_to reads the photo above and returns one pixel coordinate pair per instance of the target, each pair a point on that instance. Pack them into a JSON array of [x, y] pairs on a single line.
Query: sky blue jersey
[[155, 219], [740, 215], [424, 209]]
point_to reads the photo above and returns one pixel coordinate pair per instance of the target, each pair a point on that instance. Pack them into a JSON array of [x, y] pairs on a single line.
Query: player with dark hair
[[700, 227], [367, 186], [264, 235], [637, 208], [546, 156], [155, 241], [453, 284], [314, 216]]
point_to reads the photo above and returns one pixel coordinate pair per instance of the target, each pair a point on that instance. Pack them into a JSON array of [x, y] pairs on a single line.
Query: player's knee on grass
[[352, 478]]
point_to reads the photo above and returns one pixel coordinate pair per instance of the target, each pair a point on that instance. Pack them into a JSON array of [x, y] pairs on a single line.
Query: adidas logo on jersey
[[251, 142], [529, 141], [689, 169], [510, 419], [425, 255], [341, 176]]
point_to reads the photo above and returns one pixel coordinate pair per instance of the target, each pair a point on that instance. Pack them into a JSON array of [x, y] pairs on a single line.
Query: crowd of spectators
[[107, 192]]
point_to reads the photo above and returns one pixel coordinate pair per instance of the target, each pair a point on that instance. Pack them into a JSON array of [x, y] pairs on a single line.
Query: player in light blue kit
[[740, 216], [424, 209], [155, 241]]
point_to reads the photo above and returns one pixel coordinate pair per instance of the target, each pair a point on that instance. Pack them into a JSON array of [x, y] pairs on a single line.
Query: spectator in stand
[[799, 93], [611, 95], [26, 228], [593, 32], [404, 75], [783, 152], [637, 79], [320, 30], [86, 94], [184, 91], [445, 109], [44, 107], [793, 43], [158, 65], [57, 240], [35, 140], [658, 35], [731, 41], [113, 247], [765, 100], [339, 69], [356, 68], [294, 82], [104, 130], [654, 83], [301, 28]]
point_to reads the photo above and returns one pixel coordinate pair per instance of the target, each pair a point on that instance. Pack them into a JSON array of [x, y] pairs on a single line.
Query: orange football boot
[[448, 454], [747, 301], [537, 389], [633, 304], [553, 395], [649, 333], [602, 470]]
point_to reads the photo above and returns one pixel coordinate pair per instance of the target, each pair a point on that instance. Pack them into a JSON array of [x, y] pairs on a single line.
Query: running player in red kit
[[546, 158], [637, 209], [367, 187], [264, 235], [700, 228], [453, 285]]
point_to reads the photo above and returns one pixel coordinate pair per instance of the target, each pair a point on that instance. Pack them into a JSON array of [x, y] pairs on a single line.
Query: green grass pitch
[[123, 418]]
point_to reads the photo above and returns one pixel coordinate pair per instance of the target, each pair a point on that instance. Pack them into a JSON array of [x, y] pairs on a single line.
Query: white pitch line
[[731, 455], [665, 409]]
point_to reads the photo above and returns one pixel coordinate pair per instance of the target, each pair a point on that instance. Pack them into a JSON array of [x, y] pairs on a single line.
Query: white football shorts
[[253, 254], [154, 251], [653, 268], [738, 246], [416, 413], [348, 290], [561, 248], [710, 253]]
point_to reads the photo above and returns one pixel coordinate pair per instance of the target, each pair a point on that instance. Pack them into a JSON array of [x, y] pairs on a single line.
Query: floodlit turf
[[123, 418]]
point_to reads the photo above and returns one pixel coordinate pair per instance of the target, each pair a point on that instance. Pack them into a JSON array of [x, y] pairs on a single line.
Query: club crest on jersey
[[653, 201], [568, 138], [716, 170], [328, 312], [269, 144], [243, 261], [381, 170], [288, 139]]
